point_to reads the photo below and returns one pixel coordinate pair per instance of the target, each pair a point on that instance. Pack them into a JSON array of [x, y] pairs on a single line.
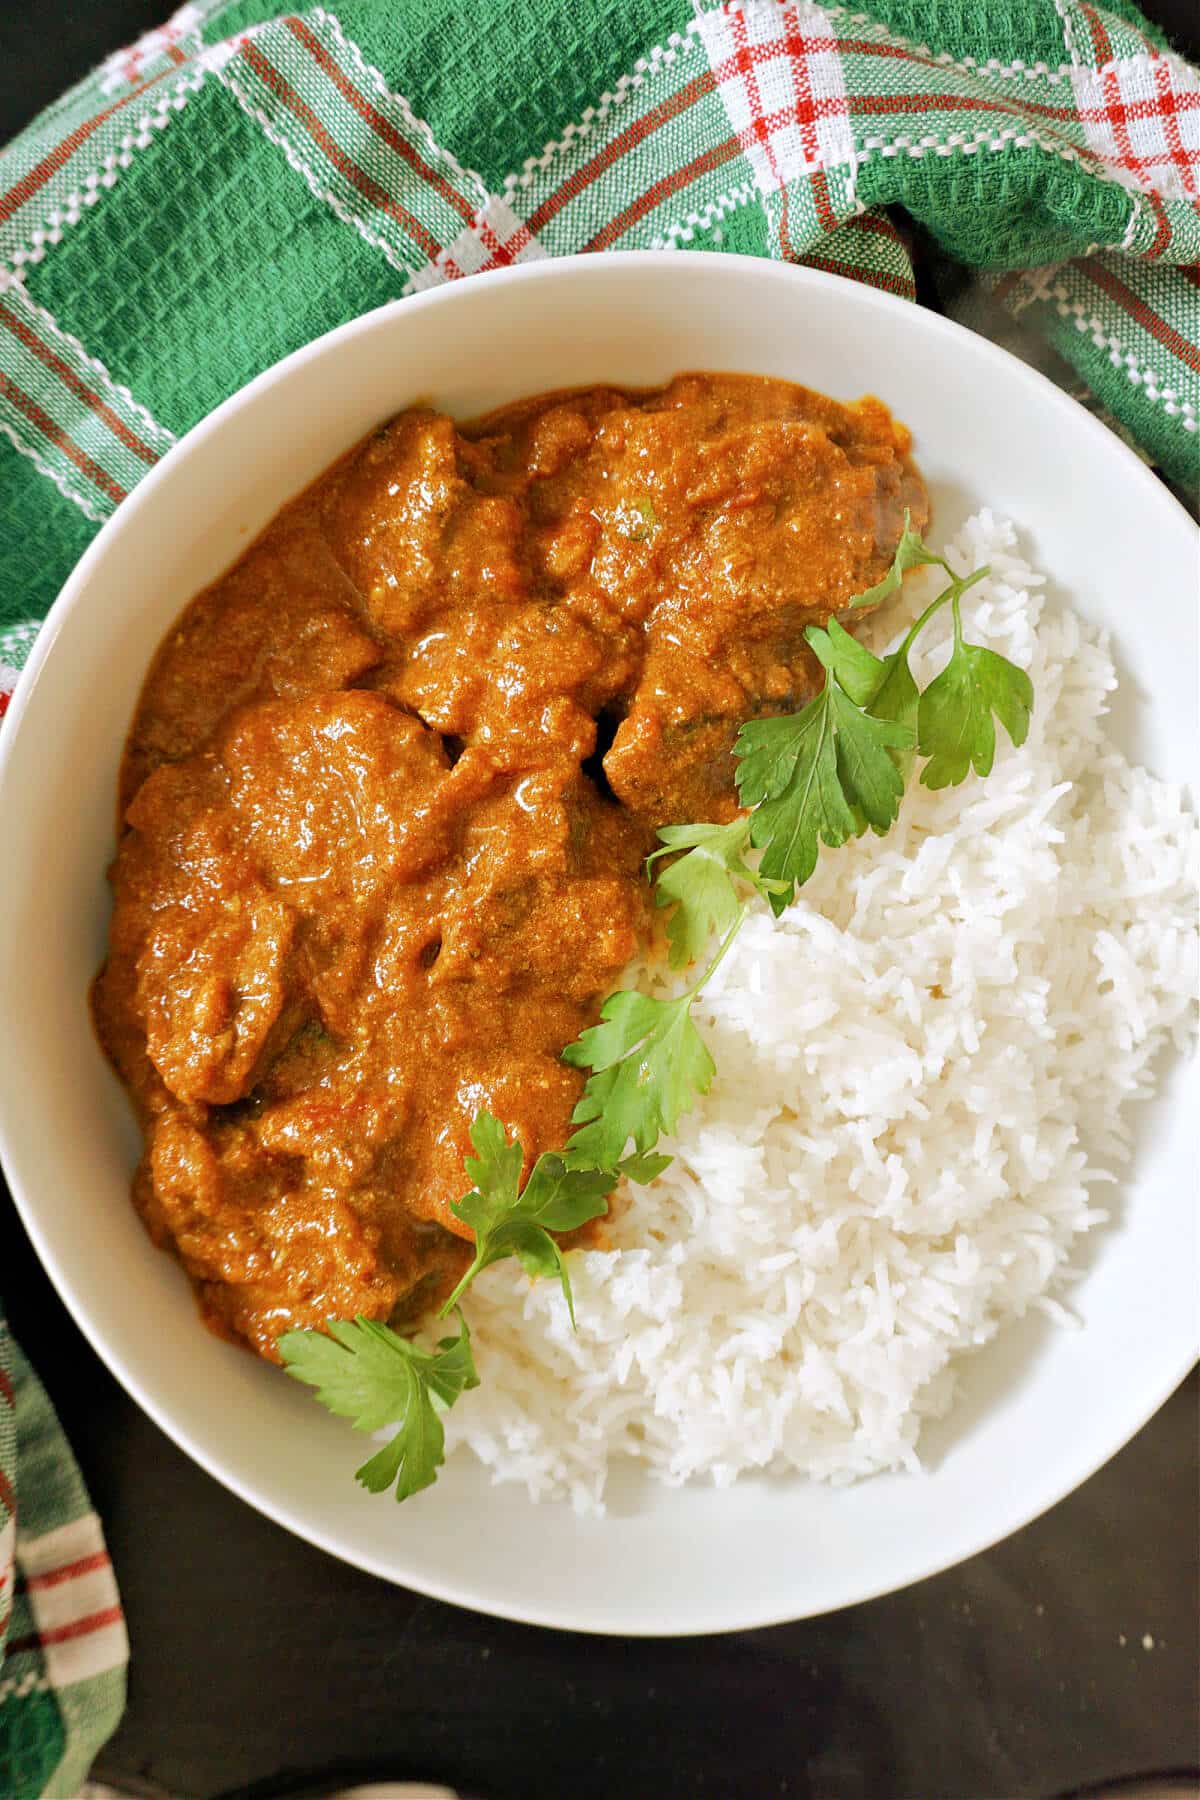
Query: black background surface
[[1063, 1658]]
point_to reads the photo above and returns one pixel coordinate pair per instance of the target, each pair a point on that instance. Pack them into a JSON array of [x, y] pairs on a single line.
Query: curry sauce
[[390, 785]]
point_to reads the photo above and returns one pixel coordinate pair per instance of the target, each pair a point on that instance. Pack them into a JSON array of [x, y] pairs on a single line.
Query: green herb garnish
[[509, 1220], [366, 1372], [701, 885], [954, 716], [820, 776], [814, 778], [911, 553], [648, 1064]]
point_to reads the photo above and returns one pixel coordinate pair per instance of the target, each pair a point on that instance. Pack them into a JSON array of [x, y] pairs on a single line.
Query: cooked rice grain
[[920, 1075]]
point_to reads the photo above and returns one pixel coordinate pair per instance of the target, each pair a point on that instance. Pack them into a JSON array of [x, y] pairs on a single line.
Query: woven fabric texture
[[63, 1648], [243, 179]]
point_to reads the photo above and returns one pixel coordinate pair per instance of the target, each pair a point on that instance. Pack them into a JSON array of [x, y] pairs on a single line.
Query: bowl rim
[[72, 597]]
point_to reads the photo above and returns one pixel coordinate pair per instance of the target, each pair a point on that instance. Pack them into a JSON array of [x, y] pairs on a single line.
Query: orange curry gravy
[[389, 788]]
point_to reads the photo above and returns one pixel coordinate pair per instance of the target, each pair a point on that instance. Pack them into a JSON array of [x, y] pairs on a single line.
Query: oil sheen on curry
[[389, 789]]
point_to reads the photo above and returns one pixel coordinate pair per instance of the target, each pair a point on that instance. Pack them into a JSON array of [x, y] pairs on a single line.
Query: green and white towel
[[63, 1648], [244, 179]]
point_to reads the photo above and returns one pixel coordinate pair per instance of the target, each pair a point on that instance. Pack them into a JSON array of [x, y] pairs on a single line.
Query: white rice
[[920, 1075]]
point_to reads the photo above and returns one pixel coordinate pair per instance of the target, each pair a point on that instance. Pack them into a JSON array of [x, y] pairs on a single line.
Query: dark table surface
[[1063, 1659]]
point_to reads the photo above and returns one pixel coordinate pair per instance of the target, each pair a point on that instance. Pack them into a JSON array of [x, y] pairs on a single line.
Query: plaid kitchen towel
[[63, 1648], [243, 179]]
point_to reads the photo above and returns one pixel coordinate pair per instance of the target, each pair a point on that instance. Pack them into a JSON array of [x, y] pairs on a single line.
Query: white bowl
[[1042, 1408]]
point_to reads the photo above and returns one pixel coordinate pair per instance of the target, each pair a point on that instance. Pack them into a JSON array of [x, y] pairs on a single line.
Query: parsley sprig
[[366, 1372], [649, 1064], [700, 885], [510, 1220], [824, 775], [821, 776], [954, 715]]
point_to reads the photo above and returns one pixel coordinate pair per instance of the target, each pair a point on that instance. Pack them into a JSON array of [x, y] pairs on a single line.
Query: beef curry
[[389, 789]]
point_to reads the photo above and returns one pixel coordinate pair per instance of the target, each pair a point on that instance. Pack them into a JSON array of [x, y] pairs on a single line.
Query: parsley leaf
[[896, 699], [857, 668], [812, 778], [648, 1063], [368, 1373], [884, 687], [701, 885], [954, 718], [512, 1221], [642, 1167], [910, 554]]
